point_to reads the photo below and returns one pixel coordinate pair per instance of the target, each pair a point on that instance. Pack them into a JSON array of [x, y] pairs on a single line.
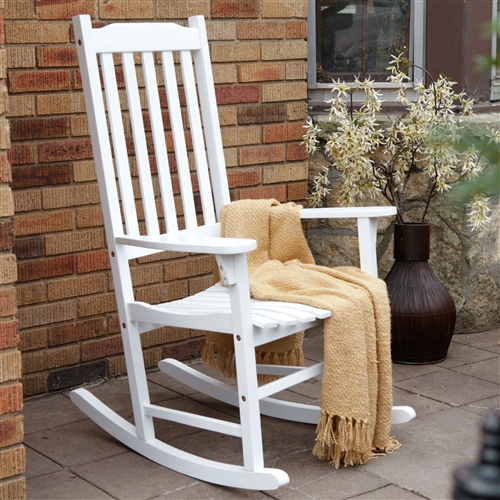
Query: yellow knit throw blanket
[[356, 391]]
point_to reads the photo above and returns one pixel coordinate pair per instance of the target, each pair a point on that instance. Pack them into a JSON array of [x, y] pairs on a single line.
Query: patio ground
[[70, 457]]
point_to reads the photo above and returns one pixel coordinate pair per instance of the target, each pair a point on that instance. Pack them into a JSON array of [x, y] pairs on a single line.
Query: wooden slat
[[197, 138], [181, 156], [119, 144], [158, 133], [140, 145]]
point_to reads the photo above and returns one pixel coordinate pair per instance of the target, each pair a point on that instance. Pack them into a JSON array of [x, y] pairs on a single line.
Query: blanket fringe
[[345, 440], [221, 358]]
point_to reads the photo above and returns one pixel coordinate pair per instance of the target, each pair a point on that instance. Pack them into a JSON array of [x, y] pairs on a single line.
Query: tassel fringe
[[347, 441]]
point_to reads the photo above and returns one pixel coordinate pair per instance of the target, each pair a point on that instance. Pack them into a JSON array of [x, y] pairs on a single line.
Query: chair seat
[[213, 308]]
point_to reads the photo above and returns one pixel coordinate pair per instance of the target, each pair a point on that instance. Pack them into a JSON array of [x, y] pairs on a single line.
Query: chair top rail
[[148, 37]]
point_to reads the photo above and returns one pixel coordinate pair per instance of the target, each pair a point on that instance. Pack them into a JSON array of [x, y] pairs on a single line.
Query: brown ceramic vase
[[423, 312]]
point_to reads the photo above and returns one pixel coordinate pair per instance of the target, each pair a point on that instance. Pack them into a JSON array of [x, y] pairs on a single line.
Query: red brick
[[261, 72], [6, 235], [185, 351], [9, 334], [237, 95], [11, 398], [8, 302], [267, 192], [22, 154], [282, 133], [235, 9], [296, 152], [95, 261], [77, 79], [65, 150], [261, 154], [74, 332], [2, 28], [43, 222], [11, 431], [38, 81], [41, 175], [66, 9], [5, 170], [296, 29], [29, 248], [39, 128], [56, 57], [45, 268], [243, 177], [102, 348]]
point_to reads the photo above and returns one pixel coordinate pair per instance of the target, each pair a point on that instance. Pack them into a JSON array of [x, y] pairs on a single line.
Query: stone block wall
[[66, 307], [12, 453]]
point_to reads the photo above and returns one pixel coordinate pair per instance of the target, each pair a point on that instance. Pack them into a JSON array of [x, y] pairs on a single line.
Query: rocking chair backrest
[[145, 56]]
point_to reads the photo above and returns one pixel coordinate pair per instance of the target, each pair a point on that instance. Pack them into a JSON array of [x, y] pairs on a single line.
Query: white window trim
[[495, 70], [320, 92]]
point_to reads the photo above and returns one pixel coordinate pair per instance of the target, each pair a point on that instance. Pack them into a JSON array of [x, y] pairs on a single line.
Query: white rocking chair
[[227, 310]]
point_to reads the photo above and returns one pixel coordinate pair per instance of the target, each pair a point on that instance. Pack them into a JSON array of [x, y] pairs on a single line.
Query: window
[[349, 38]]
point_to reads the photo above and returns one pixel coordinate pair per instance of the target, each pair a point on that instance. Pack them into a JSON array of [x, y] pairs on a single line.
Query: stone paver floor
[[70, 457]]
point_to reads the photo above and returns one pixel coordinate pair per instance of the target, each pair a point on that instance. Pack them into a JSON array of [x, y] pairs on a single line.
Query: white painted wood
[[402, 414], [223, 309]]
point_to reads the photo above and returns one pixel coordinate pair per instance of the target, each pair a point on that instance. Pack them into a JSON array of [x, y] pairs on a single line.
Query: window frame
[[321, 92], [495, 70]]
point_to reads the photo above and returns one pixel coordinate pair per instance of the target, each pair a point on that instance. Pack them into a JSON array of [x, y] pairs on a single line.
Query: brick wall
[[66, 307], [12, 453]]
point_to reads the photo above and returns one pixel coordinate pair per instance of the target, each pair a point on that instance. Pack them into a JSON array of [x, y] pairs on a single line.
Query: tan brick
[[240, 136], [36, 32], [79, 126], [182, 9], [284, 8], [20, 57], [152, 357], [4, 134], [60, 104], [278, 192], [85, 194], [228, 115], [262, 154], [162, 293], [43, 223], [274, 92], [84, 171], [25, 201], [99, 304], [296, 70], [23, 105], [260, 30], [235, 52], [188, 267], [231, 157], [46, 314], [7, 302], [224, 73], [221, 30], [13, 488], [76, 287], [274, 174], [80, 241], [89, 217], [8, 269], [197, 285], [297, 191], [277, 51], [11, 432], [19, 9], [146, 275], [33, 339], [12, 461], [47, 9], [126, 9], [6, 202], [163, 335], [50, 358], [10, 366], [261, 72]]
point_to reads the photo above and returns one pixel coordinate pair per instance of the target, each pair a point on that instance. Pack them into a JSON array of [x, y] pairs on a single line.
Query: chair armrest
[[208, 245], [367, 228], [346, 212]]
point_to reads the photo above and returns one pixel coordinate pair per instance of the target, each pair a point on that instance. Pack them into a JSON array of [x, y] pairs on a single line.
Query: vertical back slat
[[158, 132], [198, 140], [119, 143], [140, 144], [211, 124], [179, 140]]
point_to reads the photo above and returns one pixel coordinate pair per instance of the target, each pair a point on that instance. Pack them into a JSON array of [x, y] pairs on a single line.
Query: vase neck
[[411, 241]]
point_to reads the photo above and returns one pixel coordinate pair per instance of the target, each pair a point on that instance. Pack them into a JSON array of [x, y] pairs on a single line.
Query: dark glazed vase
[[422, 311]]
